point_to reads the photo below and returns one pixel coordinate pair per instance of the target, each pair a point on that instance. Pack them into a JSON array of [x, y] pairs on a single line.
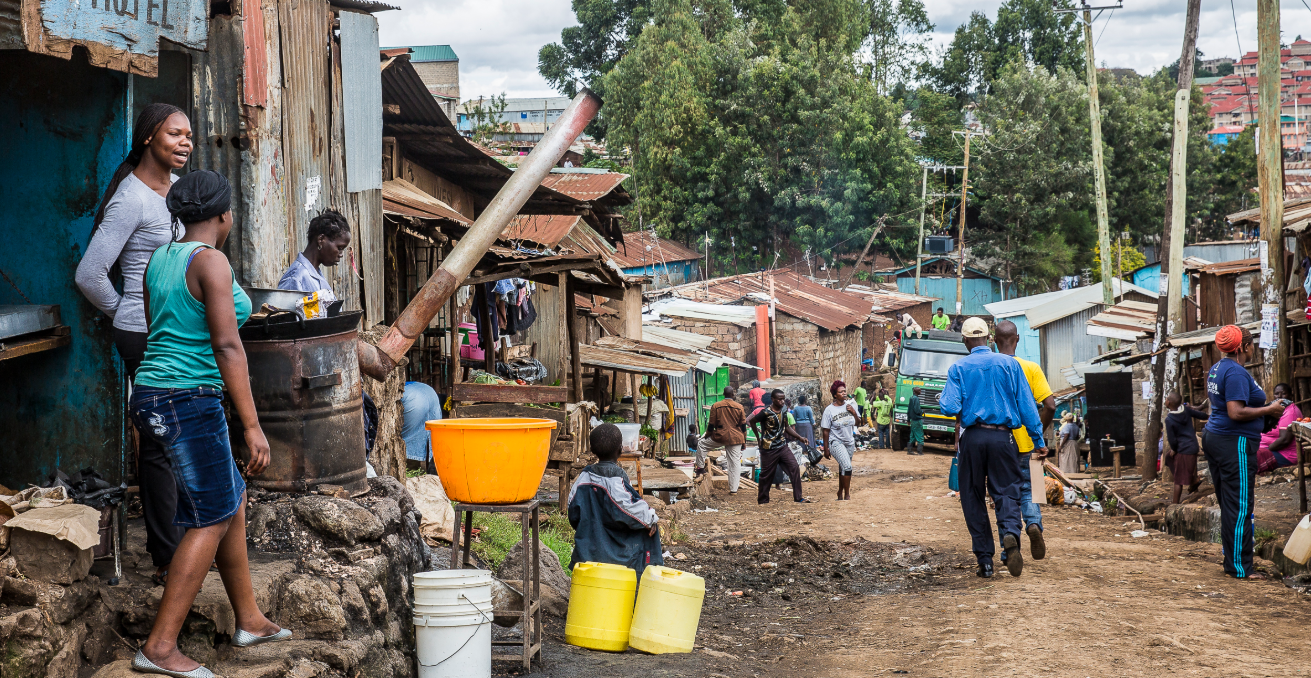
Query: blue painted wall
[[977, 292], [65, 132], [680, 272], [1029, 347], [1149, 278]]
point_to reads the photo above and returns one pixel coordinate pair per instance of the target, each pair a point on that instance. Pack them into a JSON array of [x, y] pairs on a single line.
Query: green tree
[[486, 118], [1124, 258], [1229, 186], [898, 43]]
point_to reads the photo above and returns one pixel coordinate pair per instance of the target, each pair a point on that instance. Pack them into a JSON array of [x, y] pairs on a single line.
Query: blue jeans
[[1030, 511], [885, 435], [189, 424]]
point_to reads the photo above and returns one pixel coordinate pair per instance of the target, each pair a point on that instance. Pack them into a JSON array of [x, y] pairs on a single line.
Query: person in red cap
[[1230, 441]]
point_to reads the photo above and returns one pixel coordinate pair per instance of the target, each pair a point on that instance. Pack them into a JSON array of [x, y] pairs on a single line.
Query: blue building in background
[[938, 279]]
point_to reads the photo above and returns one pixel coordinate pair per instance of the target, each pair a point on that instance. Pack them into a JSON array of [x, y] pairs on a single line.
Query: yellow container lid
[[489, 423], [605, 576], [674, 581]]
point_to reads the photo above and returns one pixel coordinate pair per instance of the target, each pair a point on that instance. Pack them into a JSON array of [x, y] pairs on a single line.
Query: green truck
[[924, 363]]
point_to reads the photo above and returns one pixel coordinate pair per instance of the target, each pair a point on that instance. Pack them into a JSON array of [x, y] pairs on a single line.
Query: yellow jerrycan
[[668, 611], [600, 606]]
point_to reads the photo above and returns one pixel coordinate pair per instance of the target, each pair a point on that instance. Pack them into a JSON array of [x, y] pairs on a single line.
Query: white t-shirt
[[841, 425]]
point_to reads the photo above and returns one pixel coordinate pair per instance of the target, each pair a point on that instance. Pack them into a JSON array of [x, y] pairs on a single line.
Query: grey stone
[[119, 669], [506, 596], [378, 601], [552, 602], [68, 661], [353, 601], [101, 642], [553, 576], [339, 519], [20, 592], [389, 513], [257, 520], [42, 557], [309, 607], [391, 488]]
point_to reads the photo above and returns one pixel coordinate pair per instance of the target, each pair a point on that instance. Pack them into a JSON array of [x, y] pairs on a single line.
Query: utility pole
[[919, 244], [1270, 175], [1170, 302], [1099, 175], [860, 260], [960, 244]]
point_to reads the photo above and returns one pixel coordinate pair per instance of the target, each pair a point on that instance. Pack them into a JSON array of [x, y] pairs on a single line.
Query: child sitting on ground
[[612, 524]]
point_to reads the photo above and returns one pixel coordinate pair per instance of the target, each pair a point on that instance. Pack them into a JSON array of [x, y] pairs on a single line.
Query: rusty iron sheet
[[255, 75], [796, 296], [399, 193], [544, 229], [121, 35], [1232, 267], [586, 187], [641, 249]]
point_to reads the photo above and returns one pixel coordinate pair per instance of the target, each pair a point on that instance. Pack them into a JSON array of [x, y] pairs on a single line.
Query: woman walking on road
[[1067, 458], [193, 351], [131, 223], [839, 427], [1230, 441]]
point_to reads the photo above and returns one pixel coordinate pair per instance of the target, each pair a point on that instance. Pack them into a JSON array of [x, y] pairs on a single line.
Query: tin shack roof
[[888, 302], [401, 197], [1232, 267], [544, 229], [413, 117], [642, 248], [795, 295], [1129, 320], [589, 185]]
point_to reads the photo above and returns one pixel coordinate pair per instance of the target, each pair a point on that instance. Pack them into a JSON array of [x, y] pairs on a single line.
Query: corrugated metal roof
[[743, 316], [627, 361], [676, 338], [1205, 335], [888, 301], [1020, 305], [1128, 320], [587, 187], [401, 197], [427, 53], [543, 229], [643, 249], [1294, 210], [1082, 299], [1232, 267], [362, 5], [795, 295]]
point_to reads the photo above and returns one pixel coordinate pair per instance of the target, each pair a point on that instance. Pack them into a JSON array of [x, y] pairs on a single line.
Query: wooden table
[[531, 614], [1302, 436]]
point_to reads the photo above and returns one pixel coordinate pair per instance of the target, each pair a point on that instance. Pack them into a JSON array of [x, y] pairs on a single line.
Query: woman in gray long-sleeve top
[[130, 225]]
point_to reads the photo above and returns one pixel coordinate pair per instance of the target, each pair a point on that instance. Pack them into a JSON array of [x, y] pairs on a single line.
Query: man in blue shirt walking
[[989, 396]]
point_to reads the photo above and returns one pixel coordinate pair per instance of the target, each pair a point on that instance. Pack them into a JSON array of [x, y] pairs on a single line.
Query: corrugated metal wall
[[66, 130], [977, 292], [1222, 252], [361, 84], [684, 388], [1066, 342]]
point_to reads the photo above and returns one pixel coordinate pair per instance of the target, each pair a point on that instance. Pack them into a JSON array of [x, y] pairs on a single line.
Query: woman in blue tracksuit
[[1230, 441]]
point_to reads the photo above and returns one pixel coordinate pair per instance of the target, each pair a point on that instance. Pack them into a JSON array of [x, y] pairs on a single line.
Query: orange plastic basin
[[491, 460]]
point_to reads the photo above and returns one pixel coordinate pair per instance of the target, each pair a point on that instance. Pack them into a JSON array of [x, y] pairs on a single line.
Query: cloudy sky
[[497, 40]]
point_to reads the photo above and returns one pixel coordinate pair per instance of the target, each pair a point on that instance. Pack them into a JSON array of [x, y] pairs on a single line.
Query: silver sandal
[[247, 639], [144, 665]]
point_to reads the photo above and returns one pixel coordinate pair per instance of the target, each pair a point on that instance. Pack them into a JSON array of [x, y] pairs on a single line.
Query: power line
[[1110, 16], [1237, 39]]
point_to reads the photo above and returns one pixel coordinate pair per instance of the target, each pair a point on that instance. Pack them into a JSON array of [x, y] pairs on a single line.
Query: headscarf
[[1229, 339], [833, 390], [1067, 417], [199, 195]]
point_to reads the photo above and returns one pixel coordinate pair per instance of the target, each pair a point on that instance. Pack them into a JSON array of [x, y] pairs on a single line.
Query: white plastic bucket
[[630, 433], [444, 587], [453, 629]]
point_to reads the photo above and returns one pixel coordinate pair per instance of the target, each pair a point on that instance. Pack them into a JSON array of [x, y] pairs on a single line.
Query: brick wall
[[729, 340], [442, 77], [797, 346], [839, 358]]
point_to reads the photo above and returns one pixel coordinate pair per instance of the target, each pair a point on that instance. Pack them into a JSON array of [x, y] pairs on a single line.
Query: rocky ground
[[336, 571], [885, 585]]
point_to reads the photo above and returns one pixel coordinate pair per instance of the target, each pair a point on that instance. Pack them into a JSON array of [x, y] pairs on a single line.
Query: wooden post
[[1301, 475], [1169, 305], [960, 244], [919, 244], [575, 358], [861, 259], [1099, 173], [453, 360], [1270, 176]]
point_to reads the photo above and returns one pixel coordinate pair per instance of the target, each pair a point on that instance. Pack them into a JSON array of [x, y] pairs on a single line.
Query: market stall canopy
[[1203, 336], [1297, 215]]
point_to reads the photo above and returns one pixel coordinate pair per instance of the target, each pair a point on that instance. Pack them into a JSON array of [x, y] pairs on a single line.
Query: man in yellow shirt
[[1008, 337]]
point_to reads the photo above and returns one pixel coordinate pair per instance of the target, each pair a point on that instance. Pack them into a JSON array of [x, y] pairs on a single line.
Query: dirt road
[[884, 584]]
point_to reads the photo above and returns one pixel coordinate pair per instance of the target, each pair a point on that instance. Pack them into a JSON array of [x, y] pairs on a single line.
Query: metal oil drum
[[305, 379]]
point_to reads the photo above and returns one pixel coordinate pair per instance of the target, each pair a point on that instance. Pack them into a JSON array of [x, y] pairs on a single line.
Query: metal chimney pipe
[[378, 362]]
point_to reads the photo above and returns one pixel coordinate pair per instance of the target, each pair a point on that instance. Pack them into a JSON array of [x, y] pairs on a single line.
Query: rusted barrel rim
[[491, 423]]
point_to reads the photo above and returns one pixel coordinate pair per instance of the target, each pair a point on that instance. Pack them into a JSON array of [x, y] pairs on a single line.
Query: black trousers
[[159, 490], [1232, 462], [770, 461], [989, 462]]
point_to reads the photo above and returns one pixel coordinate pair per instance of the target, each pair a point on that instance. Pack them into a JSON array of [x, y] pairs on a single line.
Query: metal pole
[[484, 232], [1270, 176], [960, 268], [919, 244], [1099, 177], [1169, 305]]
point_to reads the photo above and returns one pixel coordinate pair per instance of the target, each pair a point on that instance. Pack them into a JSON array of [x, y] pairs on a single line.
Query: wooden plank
[[497, 393], [22, 347]]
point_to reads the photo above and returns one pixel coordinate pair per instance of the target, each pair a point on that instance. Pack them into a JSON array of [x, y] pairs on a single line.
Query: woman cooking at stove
[[131, 223], [329, 238]]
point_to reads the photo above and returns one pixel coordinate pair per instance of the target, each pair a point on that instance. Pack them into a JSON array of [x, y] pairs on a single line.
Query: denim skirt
[[189, 424]]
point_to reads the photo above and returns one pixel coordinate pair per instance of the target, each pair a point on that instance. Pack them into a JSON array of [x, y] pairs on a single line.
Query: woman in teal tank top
[[193, 309]]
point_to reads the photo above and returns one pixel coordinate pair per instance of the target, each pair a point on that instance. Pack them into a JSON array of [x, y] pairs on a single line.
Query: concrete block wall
[[839, 358], [796, 346], [442, 77], [728, 340]]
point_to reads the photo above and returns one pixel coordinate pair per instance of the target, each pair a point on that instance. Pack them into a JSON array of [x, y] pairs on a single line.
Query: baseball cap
[[974, 327]]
